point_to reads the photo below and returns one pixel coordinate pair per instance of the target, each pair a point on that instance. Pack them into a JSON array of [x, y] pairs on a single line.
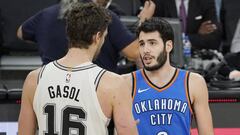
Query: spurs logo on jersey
[[66, 102]]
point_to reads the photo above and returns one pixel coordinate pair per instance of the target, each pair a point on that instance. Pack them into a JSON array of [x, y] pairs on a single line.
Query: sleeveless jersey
[[165, 110], [66, 103]]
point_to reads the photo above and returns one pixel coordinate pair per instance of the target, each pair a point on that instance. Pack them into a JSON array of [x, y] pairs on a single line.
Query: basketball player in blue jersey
[[165, 98], [73, 96]]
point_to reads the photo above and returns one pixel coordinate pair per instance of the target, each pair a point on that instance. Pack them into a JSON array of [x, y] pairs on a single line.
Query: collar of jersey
[[82, 66], [151, 84]]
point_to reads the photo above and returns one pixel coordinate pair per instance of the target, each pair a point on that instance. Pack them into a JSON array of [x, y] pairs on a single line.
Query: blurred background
[[218, 61]]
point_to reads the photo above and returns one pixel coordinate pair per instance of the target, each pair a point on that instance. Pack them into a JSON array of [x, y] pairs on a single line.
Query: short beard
[[161, 60]]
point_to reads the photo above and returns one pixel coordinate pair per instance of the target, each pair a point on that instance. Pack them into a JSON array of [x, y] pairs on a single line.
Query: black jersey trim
[[166, 85], [40, 73], [133, 84], [97, 78], [187, 89], [97, 83], [73, 69]]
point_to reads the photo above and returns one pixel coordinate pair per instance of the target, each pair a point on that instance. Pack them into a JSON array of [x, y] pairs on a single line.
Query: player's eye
[[152, 43], [141, 44]]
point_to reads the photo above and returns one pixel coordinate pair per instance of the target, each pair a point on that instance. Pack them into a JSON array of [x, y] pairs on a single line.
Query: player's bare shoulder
[[114, 85], [196, 79], [197, 85], [112, 81], [128, 80], [30, 84], [32, 77], [127, 77]]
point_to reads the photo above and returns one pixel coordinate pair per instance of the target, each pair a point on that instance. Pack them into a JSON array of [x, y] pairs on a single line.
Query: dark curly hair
[[160, 25], [83, 21]]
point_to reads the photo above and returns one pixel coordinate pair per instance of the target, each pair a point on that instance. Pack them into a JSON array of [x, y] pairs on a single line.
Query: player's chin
[[148, 66]]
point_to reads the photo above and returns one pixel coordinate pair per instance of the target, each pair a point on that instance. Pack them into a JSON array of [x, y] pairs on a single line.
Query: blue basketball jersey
[[165, 110]]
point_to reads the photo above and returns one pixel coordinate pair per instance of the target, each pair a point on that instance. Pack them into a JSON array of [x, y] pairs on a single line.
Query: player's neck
[[76, 56], [161, 76], [165, 69]]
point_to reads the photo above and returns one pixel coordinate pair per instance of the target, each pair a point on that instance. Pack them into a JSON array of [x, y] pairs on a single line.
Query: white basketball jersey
[[66, 103]]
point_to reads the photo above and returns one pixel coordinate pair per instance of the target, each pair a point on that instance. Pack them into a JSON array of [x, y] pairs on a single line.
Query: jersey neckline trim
[[80, 67], [151, 84]]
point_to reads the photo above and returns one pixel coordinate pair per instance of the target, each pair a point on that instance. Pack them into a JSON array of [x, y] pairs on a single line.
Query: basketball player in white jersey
[[73, 96], [164, 97]]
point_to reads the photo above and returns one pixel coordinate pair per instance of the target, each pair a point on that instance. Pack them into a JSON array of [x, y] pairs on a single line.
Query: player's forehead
[[149, 36]]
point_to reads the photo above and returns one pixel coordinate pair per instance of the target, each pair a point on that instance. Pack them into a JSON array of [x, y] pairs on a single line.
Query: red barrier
[[221, 131]]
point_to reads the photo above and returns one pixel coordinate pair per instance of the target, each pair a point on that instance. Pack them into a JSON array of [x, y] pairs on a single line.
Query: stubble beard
[[161, 60]]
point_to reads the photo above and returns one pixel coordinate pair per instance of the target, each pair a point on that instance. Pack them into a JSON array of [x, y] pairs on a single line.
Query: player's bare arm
[[115, 92], [199, 96], [27, 119], [131, 51], [128, 81], [20, 35]]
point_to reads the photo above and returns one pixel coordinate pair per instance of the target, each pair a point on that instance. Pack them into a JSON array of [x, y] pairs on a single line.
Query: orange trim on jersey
[[186, 91], [165, 87], [134, 85]]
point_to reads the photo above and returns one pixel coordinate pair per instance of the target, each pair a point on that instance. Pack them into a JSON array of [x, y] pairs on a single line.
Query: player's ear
[[169, 45], [96, 37]]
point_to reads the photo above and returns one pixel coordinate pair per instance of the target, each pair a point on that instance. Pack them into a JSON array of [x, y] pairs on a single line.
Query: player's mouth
[[147, 59]]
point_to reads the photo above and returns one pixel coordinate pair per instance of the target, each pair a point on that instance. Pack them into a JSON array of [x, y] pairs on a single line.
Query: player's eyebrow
[[152, 40]]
